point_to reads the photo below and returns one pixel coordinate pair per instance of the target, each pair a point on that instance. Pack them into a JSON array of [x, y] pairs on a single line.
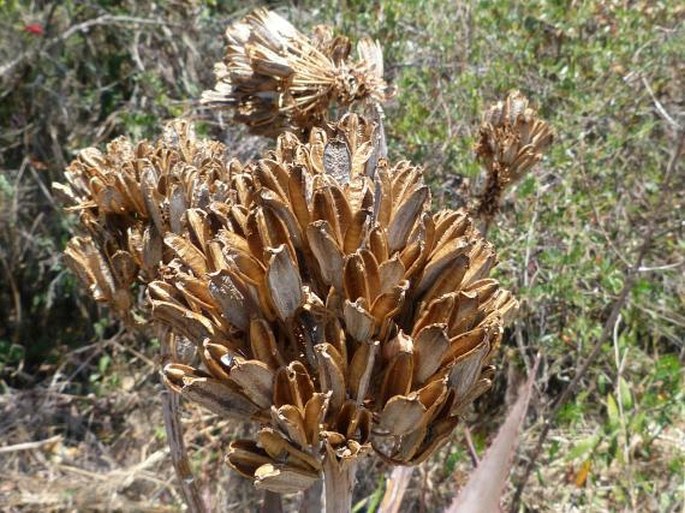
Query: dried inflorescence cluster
[[331, 305], [275, 78], [511, 140], [129, 200], [323, 297]]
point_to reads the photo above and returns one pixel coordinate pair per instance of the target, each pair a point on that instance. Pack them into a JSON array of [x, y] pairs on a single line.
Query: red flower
[[35, 29]]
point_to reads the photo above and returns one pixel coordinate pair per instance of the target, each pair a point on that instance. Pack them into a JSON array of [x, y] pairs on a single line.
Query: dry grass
[[105, 451], [68, 451]]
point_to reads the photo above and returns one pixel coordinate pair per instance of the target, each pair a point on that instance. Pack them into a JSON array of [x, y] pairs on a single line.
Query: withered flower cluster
[[275, 78], [129, 200], [323, 297], [512, 139], [332, 306]]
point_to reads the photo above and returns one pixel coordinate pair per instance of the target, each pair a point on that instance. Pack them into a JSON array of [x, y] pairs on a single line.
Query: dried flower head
[[512, 139], [276, 78], [332, 306], [129, 199]]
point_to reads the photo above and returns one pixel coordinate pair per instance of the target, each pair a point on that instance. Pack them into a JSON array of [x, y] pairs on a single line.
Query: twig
[[660, 108], [620, 361], [136, 353], [630, 279], [395, 487], [529, 243], [26, 446], [16, 295], [665, 267], [106, 19], [12, 252], [595, 212], [473, 453], [43, 188], [98, 348]]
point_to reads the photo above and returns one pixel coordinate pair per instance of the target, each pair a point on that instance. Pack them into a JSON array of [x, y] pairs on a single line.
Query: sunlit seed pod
[[512, 139], [132, 198], [275, 78]]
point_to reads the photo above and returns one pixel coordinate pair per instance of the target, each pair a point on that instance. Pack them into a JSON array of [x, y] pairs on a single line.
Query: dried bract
[[130, 199]]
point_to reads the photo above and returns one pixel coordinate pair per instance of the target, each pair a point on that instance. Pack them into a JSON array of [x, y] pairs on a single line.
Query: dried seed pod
[[376, 340], [322, 295], [275, 78], [512, 140], [135, 199]]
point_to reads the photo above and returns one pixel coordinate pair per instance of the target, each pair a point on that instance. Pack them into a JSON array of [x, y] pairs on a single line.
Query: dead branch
[[106, 19]]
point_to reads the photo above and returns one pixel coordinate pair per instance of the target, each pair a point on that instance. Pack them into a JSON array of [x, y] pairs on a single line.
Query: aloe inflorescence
[[128, 199], [329, 303], [512, 139], [323, 296]]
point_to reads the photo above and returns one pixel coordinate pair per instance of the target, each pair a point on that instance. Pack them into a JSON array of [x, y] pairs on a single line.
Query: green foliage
[[371, 504], [457, 455], [10, 354], [61, 91]]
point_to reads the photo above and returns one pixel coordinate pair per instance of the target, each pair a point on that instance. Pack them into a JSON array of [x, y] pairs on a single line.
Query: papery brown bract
[[132, 198]]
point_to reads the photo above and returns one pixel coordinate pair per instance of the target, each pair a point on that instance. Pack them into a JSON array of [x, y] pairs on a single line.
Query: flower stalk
[[339, 480]]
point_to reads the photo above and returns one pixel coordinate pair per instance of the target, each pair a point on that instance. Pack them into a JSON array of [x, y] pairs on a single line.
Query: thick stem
[[338, 480], [179, 457], [272, 503]]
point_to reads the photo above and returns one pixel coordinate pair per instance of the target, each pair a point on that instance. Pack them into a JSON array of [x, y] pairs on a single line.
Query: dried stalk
[[272, 503], [338, 479], [630, 278], [312, 497], [27, 446], [395, 488], [177, 448]]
